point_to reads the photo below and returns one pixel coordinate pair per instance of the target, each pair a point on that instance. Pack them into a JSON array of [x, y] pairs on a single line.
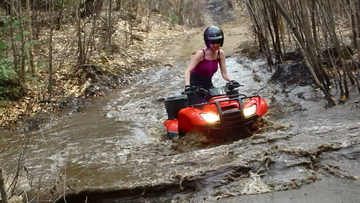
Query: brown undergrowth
[[74, 87]]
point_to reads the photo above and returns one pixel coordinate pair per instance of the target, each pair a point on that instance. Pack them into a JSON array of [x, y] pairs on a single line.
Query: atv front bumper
[[231, 125]]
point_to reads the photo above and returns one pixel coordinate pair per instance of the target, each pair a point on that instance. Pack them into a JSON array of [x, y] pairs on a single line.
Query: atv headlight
[[249, 111], [209, 117]]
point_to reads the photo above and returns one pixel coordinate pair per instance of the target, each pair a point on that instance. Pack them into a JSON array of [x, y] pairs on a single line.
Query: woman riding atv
[[206, 61]]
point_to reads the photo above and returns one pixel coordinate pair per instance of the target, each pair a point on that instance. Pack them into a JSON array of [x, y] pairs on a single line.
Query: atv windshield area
[[201, 95], [215, 91]]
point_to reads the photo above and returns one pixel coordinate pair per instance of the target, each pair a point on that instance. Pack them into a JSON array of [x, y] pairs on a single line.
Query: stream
[[116, 150]]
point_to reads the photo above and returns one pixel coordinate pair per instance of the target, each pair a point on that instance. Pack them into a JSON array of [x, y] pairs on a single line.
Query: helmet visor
[[215, 41]]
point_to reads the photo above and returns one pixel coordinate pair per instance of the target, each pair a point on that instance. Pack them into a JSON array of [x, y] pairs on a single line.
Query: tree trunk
[[276, 39], [311, 46], [12, 34], [118, 5], [4, 197], [330, 25], [259, 31], [353, 23], [50, 82], [30, 38], [109, 29], [59, 15], [357, 9], [81, 57], [23, 48]]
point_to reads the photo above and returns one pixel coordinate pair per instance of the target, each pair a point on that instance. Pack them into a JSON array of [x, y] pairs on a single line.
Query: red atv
[[217, 113]]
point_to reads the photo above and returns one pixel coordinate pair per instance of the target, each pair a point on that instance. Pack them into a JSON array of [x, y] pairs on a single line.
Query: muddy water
[[115, 151]]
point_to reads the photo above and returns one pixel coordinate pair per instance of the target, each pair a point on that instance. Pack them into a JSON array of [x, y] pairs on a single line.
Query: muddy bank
[[327, 190]]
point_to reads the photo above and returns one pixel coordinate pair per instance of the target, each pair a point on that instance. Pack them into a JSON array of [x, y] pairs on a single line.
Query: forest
[[46, 45]]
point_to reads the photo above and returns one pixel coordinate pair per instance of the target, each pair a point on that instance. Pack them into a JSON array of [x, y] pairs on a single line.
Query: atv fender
[[189, 118], [262, 107], [172, 128]]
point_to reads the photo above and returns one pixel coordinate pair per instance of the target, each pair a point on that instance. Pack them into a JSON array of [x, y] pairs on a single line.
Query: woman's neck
[[211, 50], [212, 53]]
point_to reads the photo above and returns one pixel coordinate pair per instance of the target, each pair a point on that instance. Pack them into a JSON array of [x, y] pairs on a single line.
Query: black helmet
[[213, 33]]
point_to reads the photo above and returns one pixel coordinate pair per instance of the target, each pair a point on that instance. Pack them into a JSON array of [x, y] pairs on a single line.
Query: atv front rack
[[232, 119]]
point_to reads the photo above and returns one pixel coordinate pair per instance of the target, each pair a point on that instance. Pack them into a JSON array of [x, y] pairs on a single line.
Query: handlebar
[[229, 86], [194, 90]]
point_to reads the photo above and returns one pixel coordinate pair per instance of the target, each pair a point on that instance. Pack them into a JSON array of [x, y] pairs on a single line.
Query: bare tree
[[4, 197], [50, 62], [321, 16], [30, 37], [109, 27], [80, 45], [259, 27], [12, 34], [351, 5], [304, 48], [22, 56]]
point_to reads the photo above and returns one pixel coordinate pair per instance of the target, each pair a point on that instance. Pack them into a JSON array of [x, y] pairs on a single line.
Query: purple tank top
[[206, 67]]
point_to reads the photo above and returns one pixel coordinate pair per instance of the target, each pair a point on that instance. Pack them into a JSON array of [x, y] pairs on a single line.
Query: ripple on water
[[344, 162]]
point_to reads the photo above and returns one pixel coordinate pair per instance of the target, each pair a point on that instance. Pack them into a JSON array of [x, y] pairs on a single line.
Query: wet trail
[[115, 151]]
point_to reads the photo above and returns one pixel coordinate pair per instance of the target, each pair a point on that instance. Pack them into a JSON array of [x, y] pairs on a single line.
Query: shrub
[[10, 88]]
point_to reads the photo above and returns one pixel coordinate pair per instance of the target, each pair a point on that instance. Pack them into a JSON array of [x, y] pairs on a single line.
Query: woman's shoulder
[[221, 53], [200, 51], [198, 55]]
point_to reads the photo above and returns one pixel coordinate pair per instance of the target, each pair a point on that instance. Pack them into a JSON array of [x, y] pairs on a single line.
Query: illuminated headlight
[[209, 117], [249, 111]]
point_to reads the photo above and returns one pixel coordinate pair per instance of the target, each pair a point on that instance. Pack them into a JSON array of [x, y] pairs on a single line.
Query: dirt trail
[[238, 35]]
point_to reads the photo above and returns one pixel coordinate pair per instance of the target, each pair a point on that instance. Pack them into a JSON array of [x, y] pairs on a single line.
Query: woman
[[207, 61]]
